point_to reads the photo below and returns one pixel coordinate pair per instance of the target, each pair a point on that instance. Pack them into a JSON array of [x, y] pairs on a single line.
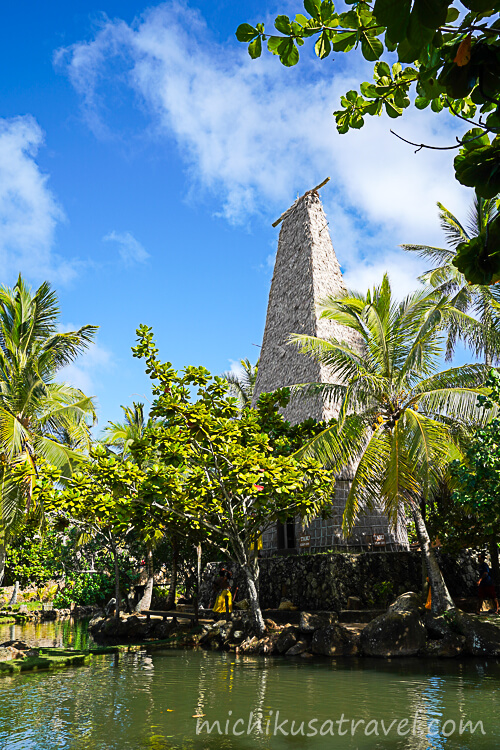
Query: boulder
[[286, 604], [286, 639], [311, 621], [481, 638], [437, 626], [300, 647], [409, 602], [395, 633], [334, 640], [448, 646]]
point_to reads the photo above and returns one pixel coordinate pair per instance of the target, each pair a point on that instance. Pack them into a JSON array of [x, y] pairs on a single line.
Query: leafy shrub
[[84, 589]]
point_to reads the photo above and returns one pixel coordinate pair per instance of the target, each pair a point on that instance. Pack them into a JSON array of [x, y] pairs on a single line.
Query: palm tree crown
[[242, 384], [481, 333], [39, 417], [399, 419], [123, 435]]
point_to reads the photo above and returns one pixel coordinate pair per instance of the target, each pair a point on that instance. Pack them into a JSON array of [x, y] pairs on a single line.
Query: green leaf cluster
[[448, 52]]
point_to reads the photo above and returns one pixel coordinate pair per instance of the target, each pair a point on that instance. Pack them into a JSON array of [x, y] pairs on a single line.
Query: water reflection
[[157, 700]]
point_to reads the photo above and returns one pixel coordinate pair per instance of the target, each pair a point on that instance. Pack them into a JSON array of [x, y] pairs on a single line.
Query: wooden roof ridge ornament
[[313, 190]]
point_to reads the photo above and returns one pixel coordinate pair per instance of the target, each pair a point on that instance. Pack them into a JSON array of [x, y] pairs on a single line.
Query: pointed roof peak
[[301, 198]]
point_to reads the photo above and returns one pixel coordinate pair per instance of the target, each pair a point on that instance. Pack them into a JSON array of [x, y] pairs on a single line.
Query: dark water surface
[[139, 700]]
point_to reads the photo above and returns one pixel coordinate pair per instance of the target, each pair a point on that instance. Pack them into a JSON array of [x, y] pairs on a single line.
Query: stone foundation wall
[[325, 581]]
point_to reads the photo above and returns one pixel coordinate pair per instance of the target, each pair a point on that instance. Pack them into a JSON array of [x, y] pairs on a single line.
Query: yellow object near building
[[220, 602]]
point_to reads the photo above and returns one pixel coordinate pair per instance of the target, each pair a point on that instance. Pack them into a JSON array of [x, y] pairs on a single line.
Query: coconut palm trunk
[[441, 600]]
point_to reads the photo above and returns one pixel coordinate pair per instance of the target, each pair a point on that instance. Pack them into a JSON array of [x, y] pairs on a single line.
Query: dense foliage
[[446, 51]]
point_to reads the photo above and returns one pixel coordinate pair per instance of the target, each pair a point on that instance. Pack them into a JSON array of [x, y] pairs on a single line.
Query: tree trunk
[[145, 600], [173, 579], [13, 599], [117, 581], [441, 599], [3, 559], [495, 566], [252, 575]]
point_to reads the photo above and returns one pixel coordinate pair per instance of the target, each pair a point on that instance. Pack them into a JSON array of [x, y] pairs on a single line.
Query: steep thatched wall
[[306, 271]]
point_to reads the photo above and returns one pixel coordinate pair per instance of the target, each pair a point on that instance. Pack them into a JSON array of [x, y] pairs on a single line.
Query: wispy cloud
[[131, 251], [256, 134], [29, 211]]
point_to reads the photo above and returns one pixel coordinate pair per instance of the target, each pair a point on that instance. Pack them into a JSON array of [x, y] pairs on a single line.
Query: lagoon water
[[197, 700]]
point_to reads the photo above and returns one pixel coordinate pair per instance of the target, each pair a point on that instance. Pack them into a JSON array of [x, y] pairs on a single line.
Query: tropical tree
[[217, 475], [482, 332], [124, 435], [400, 421], [447, 50], [242, 384], [41, 419]]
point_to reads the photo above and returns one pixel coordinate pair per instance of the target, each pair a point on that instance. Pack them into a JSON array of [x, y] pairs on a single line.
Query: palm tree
[[40, 419], [123, 435], [242, 384], [481, 333], [400, 420]]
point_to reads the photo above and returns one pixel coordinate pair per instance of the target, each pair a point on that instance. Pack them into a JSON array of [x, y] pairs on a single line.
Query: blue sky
[[144, 156]]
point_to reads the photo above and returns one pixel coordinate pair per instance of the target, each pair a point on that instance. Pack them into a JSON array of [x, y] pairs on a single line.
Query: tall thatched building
[[305, 272]]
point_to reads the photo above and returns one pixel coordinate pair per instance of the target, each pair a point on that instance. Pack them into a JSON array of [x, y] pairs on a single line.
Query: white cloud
[[255, 133], [131, 251], [29, 212]]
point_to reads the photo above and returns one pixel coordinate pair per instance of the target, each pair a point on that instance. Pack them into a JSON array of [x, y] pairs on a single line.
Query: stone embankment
[[326, 581], [405, 629]]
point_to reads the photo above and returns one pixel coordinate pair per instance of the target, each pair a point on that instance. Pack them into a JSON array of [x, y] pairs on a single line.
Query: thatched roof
[[305, 272]]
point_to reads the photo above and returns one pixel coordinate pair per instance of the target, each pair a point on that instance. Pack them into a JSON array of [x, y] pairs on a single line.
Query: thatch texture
[[306, 271]]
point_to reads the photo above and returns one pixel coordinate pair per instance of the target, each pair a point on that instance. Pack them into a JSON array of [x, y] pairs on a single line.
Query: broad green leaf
[[396, 69], [344, 41], [437, 105], [327, 10], [273, 43], [418, 35], [255, 48], [352, 96], [356, 120], [290, 55], [452, 15], [421, 102], [349, 20], [369, 90], [392, 110], [381, 69], [282, 23], [432, 13], [323, 46], [371, 47], [394, 14], [342, 120], [313, 7], [407, 53], [480, 6], [245, 32], [400, 99], [299, 18]]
